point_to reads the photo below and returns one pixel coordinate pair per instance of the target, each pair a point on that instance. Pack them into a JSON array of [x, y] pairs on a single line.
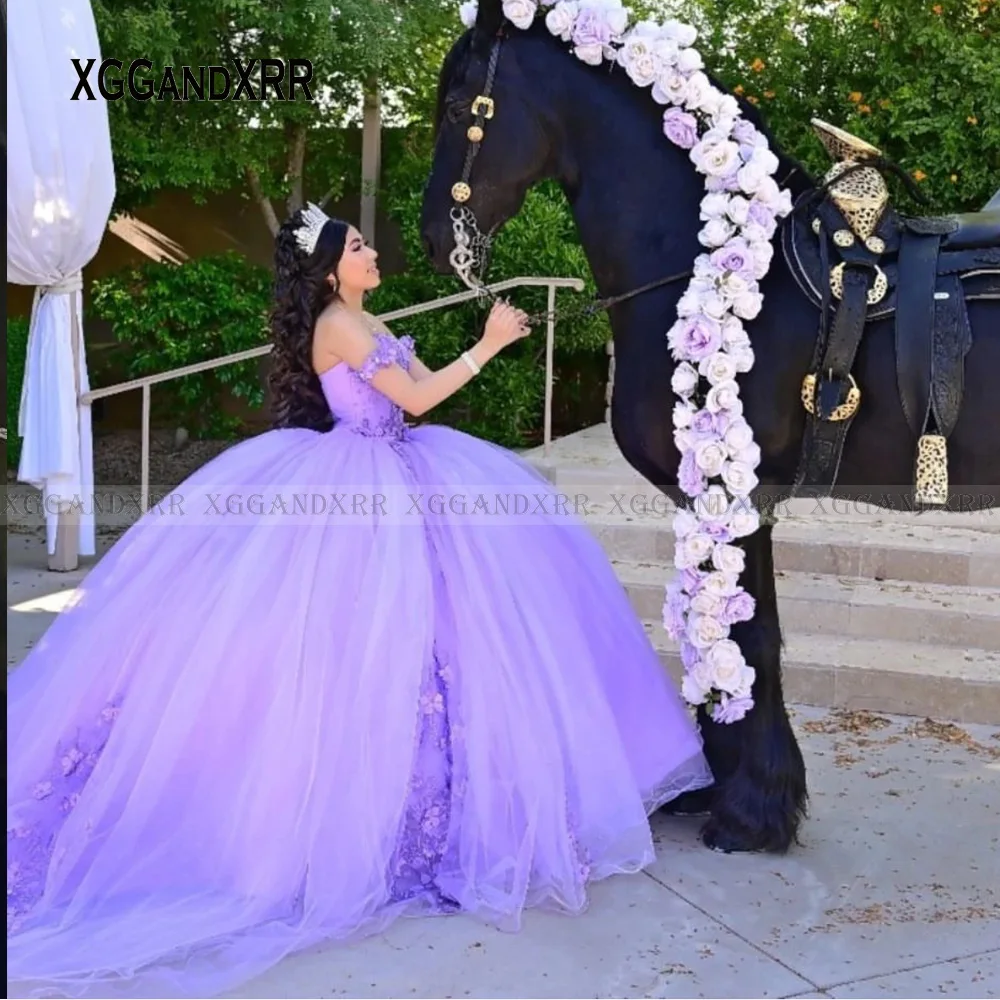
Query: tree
[[917, 78], [276, 149]]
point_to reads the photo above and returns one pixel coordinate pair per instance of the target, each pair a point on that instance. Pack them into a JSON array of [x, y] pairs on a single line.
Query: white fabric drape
[[60, 189]]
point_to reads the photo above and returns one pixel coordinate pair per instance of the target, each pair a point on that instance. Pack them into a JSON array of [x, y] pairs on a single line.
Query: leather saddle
[[859, 261]]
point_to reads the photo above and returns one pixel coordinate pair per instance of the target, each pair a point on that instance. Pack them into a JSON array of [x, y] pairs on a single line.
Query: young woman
[[259, 730]]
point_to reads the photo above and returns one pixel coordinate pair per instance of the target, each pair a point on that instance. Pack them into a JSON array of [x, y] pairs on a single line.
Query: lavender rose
[[731, 709], [739, 608], [689, 476], [735, 256], [695, 337], [690, 656], [680, 128]]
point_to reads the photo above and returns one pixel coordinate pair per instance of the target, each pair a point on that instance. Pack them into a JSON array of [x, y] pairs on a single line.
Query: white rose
[[683, 415], [762, 253], [718, 367], [743, 357], [692, 551], [683, 34], [561, 19], [684, 439], [689, 60], [689, 303], [637, 57], [740, 478], [748, 305], [729, 559], [694, 690], [766, 160], [615, 14], [648, 30], [784, 204], [750, 177], [739, 435], [720, 584], [744, 521], [728, 667], [714, 506], [714, 206], [709, 104], [685, 379], [670, 88], [737, 209], [467, 12], [707, 604], [592, 55], [706, 631], [716, 160], [724, 396], [520, 13], [754, 233], [734, 334], [750, 455], [714, 305], [685, 523], [700, 93], [716, 233], [704, 272], [768, 191], [729, 107], [710, 456], [733, 286], [665, 51]]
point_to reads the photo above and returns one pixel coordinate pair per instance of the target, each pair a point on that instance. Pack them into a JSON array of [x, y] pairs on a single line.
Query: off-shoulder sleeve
[[384, 354]]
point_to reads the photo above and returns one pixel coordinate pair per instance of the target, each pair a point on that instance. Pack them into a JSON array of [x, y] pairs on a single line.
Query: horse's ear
[[488, 19]]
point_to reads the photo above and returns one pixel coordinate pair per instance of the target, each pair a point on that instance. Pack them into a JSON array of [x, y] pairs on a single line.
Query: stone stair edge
[[892, 676], [986, 600]]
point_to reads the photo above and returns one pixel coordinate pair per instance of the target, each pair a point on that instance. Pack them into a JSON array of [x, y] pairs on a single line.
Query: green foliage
[[17, 349], [505, 403], [211, 146], [917, 78], [167, 316]]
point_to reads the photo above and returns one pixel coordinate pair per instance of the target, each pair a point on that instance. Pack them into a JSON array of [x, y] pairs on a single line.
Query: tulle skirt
[[258, 731]]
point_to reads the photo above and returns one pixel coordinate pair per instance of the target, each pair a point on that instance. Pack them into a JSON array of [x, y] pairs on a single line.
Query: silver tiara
[[313, 221]]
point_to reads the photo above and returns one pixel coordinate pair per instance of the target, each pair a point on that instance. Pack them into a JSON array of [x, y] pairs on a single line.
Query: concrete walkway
[[895, 890]]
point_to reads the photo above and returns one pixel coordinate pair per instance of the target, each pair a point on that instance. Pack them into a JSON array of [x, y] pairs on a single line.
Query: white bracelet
[[471, 362]]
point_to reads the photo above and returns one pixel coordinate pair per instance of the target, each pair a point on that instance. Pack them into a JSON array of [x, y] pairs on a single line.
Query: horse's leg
[[760, 781]]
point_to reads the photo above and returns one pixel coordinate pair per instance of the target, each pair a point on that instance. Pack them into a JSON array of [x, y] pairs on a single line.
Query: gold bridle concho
[[842, 412], [485, 108], [875, 294]]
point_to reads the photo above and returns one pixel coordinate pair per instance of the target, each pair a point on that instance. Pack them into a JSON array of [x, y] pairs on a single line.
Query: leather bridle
[[471, 250]]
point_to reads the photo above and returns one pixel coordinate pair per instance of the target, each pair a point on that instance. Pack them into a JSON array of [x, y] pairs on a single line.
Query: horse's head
[[492, 140]]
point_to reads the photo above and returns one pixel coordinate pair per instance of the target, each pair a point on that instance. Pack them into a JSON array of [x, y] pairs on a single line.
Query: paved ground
[[895, 890]]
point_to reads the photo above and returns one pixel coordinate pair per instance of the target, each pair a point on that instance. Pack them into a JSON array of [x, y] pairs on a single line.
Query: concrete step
[[824, 604], [878, 675], [962, 557], [598, 480]]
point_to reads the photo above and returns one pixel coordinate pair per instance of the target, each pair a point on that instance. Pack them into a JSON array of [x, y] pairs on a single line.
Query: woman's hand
[[505, 325]]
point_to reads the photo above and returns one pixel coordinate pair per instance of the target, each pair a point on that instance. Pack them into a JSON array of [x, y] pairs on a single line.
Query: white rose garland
[[740, 211]]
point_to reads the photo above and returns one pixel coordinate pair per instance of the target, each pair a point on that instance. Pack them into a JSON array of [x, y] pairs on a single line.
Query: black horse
[[635, 197]]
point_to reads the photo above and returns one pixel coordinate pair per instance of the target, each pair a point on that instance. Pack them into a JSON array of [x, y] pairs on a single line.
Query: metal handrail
[[146, 382]]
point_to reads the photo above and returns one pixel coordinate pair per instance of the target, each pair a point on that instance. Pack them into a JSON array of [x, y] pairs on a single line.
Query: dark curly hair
[[301, 291]]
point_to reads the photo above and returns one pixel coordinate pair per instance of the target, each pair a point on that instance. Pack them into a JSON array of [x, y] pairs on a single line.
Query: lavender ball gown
[[251, 736]]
